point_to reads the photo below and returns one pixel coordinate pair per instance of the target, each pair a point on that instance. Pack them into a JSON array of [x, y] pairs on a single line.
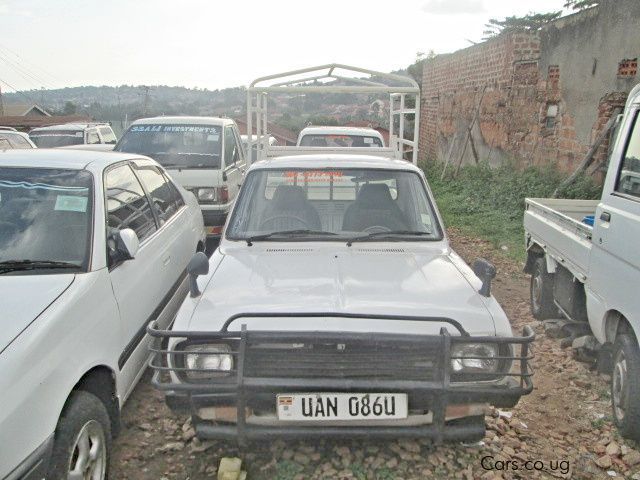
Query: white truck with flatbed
[[335, 306], [584, 260]]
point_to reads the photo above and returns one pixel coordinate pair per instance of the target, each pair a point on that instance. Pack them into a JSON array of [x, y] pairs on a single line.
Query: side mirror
[[486, 272], [123, 245], [198, 265]]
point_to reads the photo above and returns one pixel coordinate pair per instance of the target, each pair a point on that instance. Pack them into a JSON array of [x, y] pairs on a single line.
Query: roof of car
[[58, 158], [322, 161], [69, 126], [334, 130], [185, 120]]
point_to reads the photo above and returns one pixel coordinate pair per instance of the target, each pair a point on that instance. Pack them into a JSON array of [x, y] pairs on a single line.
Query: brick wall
[[531, 98]]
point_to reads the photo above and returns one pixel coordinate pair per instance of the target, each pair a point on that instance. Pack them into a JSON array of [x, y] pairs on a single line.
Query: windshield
[[175, 146], [57, 138], [45, 215], [340, 141], [334, 204]]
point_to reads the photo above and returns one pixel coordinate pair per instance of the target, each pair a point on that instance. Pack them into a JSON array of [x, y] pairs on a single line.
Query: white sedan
[[92, 246]]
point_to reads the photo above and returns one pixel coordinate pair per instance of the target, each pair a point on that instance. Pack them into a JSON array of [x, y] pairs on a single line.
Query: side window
[[17, 141], [92, 137], [162, 198], [230, 147], [107, 135], [127, 205], [240, 150], [177, 196], [629, 174]]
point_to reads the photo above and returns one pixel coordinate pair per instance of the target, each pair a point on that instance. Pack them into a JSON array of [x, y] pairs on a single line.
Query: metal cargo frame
[[297, 81]]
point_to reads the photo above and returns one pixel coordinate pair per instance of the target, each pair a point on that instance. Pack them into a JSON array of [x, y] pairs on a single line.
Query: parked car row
[[333, 306]]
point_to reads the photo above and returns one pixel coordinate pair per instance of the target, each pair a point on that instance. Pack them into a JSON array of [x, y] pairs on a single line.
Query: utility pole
[[145, 107]]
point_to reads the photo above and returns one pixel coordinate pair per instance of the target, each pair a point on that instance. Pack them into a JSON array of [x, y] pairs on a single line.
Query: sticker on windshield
[[175, 129], [312, 175], [368, 140], [71, 203], [213, 138]]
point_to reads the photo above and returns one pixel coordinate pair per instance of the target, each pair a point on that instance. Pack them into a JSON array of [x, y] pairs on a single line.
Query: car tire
[[541, 291], [82, 441], [625, 389]]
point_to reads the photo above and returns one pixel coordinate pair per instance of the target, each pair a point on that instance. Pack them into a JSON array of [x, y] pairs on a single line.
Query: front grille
[[346, 361]]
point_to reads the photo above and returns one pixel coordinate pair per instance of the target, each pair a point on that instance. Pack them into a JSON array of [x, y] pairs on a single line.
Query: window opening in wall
[[552, 113]]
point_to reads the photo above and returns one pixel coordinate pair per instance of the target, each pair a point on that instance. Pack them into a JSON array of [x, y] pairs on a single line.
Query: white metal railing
[[399, 88]]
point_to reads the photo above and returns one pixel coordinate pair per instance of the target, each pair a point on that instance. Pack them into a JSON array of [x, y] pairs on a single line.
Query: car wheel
[[82, 440], [625, 389], [541, 290]]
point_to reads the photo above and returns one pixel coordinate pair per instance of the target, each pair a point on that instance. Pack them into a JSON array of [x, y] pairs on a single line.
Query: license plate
[[341, 406]]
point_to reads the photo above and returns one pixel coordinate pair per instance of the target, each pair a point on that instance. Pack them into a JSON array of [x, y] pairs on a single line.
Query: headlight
[[208, 361], [207, 194], [481, 357]]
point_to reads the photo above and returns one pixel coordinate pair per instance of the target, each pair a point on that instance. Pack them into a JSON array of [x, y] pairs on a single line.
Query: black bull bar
[[266, 363]]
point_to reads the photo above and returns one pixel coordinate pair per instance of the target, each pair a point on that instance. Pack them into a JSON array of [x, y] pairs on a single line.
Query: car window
[[4, 144], [175, 193], [339, 201], [629, 174], [230, 147], [15, 140], [92, 137], [162, 197], [107, 135], [351, 141], [127, 205]]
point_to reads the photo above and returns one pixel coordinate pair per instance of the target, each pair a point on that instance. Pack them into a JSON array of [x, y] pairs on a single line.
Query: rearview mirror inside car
[[198, 265], [486, 272]]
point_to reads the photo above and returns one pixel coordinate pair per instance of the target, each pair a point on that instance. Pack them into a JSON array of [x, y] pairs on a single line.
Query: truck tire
[[82, 441], [625, 389], [541, 291]]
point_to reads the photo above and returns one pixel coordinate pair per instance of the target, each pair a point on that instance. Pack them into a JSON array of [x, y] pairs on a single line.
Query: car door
[[614, 272], [139, 285], [234, 162], [176, 228]]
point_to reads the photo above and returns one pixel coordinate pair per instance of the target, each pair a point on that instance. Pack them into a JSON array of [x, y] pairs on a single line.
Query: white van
[[203, 154]]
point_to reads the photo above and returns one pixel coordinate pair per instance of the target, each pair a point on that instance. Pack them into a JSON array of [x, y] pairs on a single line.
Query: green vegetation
[[287, 470], [489, 202]]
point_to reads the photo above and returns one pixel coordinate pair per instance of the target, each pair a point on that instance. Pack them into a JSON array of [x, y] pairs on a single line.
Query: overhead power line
[[18, 91], [33, 65], [29, 76]]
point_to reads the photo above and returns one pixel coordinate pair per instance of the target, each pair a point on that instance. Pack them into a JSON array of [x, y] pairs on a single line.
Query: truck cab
[[203, 154], [590, 272], [70, 134]]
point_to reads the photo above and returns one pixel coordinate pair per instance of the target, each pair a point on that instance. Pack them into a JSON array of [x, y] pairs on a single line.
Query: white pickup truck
[[336, 307], [584, 260]]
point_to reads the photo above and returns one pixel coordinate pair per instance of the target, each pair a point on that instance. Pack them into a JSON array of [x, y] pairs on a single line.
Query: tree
[[415, 69], [581, 4], [531, 22], [69, 108]]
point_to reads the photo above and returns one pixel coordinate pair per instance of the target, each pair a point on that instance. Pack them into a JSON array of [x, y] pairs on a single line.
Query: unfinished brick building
[[532, 98]]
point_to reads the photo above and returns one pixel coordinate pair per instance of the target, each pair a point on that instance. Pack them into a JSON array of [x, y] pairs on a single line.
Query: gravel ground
[[562, 430]]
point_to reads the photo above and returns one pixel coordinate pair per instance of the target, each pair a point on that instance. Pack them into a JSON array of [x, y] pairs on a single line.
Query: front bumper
[[255, 381]]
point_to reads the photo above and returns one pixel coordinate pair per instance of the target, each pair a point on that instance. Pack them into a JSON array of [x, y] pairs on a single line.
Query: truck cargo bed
[[557, 226]]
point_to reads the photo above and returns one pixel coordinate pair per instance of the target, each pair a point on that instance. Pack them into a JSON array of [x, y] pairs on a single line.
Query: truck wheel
[[625, 389], [541, 289], [82, 440]]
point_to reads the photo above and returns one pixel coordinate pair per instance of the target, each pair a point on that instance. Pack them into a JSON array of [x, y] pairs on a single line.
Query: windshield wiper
[[15, 265], [368, 236], [285, 233]]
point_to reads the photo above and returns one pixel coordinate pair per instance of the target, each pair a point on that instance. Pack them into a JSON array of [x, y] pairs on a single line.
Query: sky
[[217, 44]]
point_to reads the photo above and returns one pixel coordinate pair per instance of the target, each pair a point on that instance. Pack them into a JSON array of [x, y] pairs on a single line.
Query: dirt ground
[[562, 430]]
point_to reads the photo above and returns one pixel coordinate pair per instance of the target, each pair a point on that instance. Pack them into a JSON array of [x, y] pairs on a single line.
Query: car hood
[[24, 298], [361, 279]]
